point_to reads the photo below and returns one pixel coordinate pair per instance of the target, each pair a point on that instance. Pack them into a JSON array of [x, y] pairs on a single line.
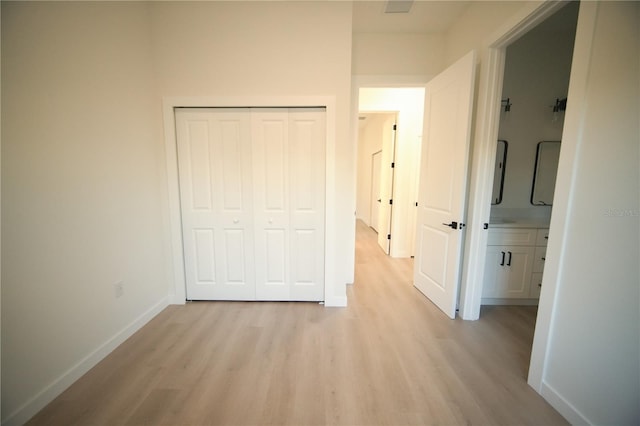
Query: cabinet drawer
[[536, 285], [511, 237], [542, 237], [539, 258]]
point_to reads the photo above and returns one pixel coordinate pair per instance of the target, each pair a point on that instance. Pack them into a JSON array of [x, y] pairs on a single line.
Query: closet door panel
[[270, 143], [307, 195], [214, 159]]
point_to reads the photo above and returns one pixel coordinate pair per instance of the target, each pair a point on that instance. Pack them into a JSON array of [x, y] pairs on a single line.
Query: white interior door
[[376, 163], [307, 203], [289, 182], [386, 183], [270, 137], [442, 188], [252, 189], [214, 157]]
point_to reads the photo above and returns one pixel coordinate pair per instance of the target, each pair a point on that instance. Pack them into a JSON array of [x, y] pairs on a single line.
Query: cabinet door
[[539, 259], [493, 272], [536, 285], [518, 267], [508, 272]]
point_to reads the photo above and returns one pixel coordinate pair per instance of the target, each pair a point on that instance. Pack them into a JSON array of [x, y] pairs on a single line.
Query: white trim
[[59, 385], [178, 292], [563, 406]]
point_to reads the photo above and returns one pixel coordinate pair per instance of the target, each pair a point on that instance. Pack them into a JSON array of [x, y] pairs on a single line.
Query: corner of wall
[[30, 408]]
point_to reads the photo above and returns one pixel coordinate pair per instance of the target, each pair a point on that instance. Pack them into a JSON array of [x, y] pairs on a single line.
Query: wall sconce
[[560, 105], [506, 103]]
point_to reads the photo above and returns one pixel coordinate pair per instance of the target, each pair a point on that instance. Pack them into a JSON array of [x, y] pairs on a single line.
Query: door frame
[[177, 289], [362, 81], [485, 136]]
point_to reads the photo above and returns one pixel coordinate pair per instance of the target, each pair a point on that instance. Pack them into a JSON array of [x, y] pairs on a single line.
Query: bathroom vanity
[[515, 259]]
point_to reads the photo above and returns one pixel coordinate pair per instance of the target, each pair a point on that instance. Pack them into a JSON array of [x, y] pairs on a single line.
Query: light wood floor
[[389, 358]]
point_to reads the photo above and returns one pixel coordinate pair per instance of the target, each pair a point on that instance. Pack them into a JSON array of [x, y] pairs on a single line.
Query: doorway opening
[[376, 155], [534, 95], [389, 136]]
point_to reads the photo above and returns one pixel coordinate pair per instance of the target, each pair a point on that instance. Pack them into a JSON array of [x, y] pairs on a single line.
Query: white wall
[[409, 102], [266, 49], [83, 164], [397, 54], [81, 193], [369, 142], [476, 24], [592, 369], [537, 68]]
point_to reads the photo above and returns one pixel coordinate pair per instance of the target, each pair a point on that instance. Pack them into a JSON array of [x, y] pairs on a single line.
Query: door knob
[[379, 200], [453, 225]]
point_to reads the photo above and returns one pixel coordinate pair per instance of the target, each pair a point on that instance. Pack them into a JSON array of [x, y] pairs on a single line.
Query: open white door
[[386, 182], [443, 178]]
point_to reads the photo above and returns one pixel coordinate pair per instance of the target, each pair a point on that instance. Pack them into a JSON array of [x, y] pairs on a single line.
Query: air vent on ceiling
[[398, 6]]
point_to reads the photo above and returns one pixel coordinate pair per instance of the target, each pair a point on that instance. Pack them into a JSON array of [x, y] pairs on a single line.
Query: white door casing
[[252, 185], [443, 178]]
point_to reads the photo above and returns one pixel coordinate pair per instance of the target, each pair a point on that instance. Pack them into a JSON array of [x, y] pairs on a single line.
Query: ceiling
[[424, 17]]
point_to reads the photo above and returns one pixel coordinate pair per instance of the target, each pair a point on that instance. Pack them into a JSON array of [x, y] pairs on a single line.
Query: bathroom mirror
[[544, 175], [498, 174]]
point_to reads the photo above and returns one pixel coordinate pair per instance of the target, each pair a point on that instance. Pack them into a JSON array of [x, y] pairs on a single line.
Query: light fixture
[[398, 6], [560, 105], [506, 103]]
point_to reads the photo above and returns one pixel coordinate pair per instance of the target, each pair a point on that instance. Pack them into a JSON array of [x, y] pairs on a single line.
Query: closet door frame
[[177, 269]]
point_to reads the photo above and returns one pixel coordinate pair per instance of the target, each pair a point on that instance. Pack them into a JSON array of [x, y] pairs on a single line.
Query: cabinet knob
[[236, 220]]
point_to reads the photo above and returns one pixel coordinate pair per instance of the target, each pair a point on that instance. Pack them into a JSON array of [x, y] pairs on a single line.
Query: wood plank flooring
[[390, 358]]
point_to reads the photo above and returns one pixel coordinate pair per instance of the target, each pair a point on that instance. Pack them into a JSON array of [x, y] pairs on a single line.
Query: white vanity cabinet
[[514, 265], [539, 258]]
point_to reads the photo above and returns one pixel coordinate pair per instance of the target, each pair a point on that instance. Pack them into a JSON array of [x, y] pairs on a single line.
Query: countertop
[[518, 223]]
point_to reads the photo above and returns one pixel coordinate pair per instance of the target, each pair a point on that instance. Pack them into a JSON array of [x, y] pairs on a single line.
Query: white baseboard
[[176, 300], [563, 406], [336, 302], [55, 388]]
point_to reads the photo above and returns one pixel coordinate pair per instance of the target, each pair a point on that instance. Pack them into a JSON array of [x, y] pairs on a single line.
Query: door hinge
[[416, 204], [388, 236], [390, 201], [393, 165], [395, 127]]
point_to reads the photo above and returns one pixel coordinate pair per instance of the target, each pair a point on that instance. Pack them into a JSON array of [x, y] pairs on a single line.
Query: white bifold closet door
[[252, 186]]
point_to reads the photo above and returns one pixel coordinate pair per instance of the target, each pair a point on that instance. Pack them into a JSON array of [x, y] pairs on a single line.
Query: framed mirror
[[545, 171], [498, 174]]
